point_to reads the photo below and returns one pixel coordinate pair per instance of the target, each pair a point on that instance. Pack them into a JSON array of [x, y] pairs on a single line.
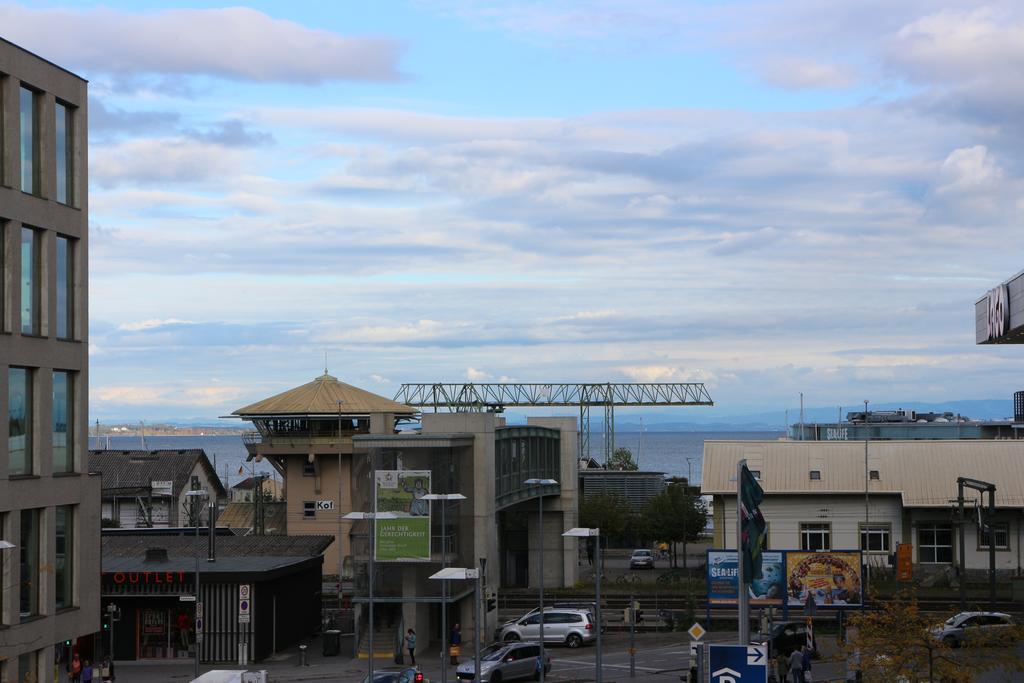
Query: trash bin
[[332, 643]]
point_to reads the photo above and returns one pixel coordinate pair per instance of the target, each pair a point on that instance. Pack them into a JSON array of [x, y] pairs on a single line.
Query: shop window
[[64, 544], [64, 149], [65, 288], [1001, 531], [815, 536], [30, 281], [30, 575], [28, 667], [935, 544], [63, 420], [875, 538], [19, 421], [309, 509], [29, 115]]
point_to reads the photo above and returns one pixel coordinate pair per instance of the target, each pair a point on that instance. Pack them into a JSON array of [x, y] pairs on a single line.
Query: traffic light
[[492, 601], [106, 622], [67, 643]]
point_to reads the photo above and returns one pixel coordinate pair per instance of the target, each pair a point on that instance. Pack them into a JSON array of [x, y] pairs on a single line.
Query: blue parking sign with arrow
[[738, 663]]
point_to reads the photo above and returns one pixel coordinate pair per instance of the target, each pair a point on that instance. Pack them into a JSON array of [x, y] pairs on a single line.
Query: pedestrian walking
[[796, 666], [75, 669], [87, 672], [455, 644], [410, 645], [805, 664]]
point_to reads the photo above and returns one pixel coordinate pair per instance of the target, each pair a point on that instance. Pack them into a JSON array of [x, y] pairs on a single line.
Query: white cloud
[[151, 324], [233, 42], [165, 394], [969, 169], [474, 375], [801, 74]]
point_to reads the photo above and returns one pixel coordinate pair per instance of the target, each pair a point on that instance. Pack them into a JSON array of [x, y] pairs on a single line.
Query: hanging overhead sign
[[407, 537]]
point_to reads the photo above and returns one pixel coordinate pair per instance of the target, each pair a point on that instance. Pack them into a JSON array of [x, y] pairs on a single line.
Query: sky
[[770, 198]]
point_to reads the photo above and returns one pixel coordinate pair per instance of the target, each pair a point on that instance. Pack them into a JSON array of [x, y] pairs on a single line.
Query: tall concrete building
[[339, 449], [49, 504]]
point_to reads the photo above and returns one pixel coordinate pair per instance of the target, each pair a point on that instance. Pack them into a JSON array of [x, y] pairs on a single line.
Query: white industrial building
[[815, 497]]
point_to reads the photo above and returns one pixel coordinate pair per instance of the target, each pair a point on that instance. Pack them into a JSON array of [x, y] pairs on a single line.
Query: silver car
[[573, 627], [506, 662], [967, 625]]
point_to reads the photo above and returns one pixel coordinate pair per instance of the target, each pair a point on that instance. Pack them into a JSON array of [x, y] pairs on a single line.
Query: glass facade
[[65, 288], [63, 460], [29, 146], [29, 564], [64, 556], [29, 281], [65, 171], [19, 420]]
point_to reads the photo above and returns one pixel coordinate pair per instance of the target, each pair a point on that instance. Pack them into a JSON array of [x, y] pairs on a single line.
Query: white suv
[[574, 627], [972, 625]]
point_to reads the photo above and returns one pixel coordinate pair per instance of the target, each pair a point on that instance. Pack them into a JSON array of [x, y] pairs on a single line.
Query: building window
[[1001, 530], [65, 287], [873, 475], [875, 538], [19, 420], [64, 121], [309, 509], [63, 421], [29, 141], [29, 281], [815, 475], [64, 546], [815, 536], [308, 468], [30, 575], [935, 544]]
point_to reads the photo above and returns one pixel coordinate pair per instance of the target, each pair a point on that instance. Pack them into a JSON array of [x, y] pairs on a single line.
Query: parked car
[[967, 626], [505, 662], [404, 674], [573, 627], [641, 559]]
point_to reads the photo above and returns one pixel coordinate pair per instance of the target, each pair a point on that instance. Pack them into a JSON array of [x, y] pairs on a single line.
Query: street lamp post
[[453, 573], [443, 498], [867, 506], [582, 532], [540, 524], [373, 517], [197, 623]]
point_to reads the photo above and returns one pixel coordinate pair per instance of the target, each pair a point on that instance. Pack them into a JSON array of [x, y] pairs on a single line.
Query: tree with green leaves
[[607, 512], [675, 516], [622, 459]]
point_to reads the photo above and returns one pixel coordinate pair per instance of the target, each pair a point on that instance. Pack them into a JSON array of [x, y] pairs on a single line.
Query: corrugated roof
[[234, 553], [240, 516], [137, 469], [923, 473], [321, 397]]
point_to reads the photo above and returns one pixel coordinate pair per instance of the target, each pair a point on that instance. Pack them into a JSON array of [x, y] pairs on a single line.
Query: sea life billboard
[[723, 578], [831, 578], [407, 537]]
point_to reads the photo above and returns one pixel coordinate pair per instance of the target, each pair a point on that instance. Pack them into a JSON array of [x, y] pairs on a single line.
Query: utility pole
[[867, 499], [632, 637]]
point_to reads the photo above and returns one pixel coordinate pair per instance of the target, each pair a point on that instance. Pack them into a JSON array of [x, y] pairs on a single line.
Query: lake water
[[674, 453]]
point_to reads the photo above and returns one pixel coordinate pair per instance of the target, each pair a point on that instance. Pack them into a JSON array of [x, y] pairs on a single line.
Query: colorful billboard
[[723, 578], [406, 538], [831, 578]]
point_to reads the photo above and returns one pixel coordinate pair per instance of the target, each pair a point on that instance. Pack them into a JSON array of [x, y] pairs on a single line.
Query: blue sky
[[767, 197]]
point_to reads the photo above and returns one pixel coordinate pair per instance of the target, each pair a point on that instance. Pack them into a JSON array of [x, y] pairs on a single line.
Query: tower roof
[[321, 397]]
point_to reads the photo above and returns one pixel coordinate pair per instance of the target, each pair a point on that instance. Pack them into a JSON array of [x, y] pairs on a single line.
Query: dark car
[[405, 674], [787, 636]]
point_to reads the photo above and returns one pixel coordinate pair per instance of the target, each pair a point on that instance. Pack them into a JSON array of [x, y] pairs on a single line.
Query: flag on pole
[[754, 527]]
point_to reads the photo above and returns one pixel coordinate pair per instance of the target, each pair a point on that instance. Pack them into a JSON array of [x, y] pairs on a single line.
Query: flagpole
[[742, 594]]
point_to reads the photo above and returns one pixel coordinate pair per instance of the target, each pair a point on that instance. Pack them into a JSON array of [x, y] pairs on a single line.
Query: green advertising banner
[[407, 538]]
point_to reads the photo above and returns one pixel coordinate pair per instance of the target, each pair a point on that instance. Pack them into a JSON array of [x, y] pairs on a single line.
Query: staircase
[[384, 639]]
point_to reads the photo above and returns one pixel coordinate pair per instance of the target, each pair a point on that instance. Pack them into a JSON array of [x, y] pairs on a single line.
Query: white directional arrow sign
[[756, 654]]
